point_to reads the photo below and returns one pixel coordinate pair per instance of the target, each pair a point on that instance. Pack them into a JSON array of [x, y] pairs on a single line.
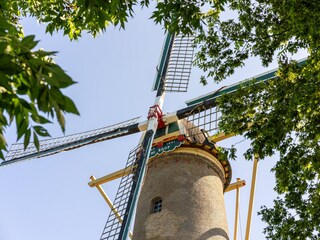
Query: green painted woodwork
[[229, 89]]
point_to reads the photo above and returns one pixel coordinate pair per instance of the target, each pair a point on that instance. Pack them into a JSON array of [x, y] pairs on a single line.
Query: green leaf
[[5, 61], [44, 100], [57, 96], [25, 104], [41, 53], [70, 106], [3, 142], [60, 118], [36, 141], [59, 78], [50, 28], [29, 42], [26, 140], [22, 128], [4, 24], [3, 120], [5, 81], [39, 119], [41, 131]]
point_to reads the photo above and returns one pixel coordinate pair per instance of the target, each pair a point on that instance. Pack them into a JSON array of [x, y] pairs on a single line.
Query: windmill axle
[[155, 111]]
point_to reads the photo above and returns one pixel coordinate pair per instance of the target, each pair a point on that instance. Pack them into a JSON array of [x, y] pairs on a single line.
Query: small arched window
[[156, 205]]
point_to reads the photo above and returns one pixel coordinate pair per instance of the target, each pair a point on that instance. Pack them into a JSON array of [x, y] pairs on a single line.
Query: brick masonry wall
[[191, 188]]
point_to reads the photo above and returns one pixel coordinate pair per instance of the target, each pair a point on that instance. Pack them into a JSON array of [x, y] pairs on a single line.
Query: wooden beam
[[236, 217], [235, 185], [108, 201], [110, 177], [251, 200], [220, 136]]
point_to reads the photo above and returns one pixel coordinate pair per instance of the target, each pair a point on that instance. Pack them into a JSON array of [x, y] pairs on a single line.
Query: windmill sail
[[175, 63], [173, 75], [204, 118], [154, 118], [137, 180], [113, 225], [55, 145], [117, 226], [203, 110], [180, 63]]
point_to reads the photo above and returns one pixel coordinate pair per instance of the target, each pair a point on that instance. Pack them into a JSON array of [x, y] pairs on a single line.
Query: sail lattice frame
[[180, 63], [55, 145], [113, 225], [206, 119]]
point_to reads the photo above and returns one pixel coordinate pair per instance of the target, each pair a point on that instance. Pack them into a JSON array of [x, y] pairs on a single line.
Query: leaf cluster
[[74, 17], [283, 115], [264, 28], [184, 16], [30, 86]]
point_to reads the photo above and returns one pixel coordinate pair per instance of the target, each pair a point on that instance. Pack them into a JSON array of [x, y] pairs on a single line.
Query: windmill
[[109, 129], [170, 77]]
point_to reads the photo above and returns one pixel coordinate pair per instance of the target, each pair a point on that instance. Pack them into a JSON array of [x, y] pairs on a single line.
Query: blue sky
[[49, 198]]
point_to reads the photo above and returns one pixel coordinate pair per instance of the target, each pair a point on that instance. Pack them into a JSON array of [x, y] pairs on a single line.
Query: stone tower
[[182, 195]]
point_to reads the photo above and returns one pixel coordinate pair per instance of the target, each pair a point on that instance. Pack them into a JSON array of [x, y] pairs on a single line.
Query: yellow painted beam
[[110, 177], [108, 201], [235, 185], [220, 136], [236, 217], [166, 137], [251, 200]]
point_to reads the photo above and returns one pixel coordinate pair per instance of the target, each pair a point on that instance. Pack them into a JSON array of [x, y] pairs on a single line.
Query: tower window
[[156, 205]]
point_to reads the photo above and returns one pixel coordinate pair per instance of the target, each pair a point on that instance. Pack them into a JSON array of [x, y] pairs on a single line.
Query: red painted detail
[[156, 112], [159, 144], [181, 138]]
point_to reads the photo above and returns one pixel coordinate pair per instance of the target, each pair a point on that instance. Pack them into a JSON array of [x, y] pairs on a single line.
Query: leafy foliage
[[184, 16], [283, 114], [262, 28], [30, 86], [73, 17]]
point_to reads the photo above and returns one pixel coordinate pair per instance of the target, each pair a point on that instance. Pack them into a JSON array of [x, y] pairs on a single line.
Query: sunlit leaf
[[36, 141], [26, 140], [41, 131], [29, 42]]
